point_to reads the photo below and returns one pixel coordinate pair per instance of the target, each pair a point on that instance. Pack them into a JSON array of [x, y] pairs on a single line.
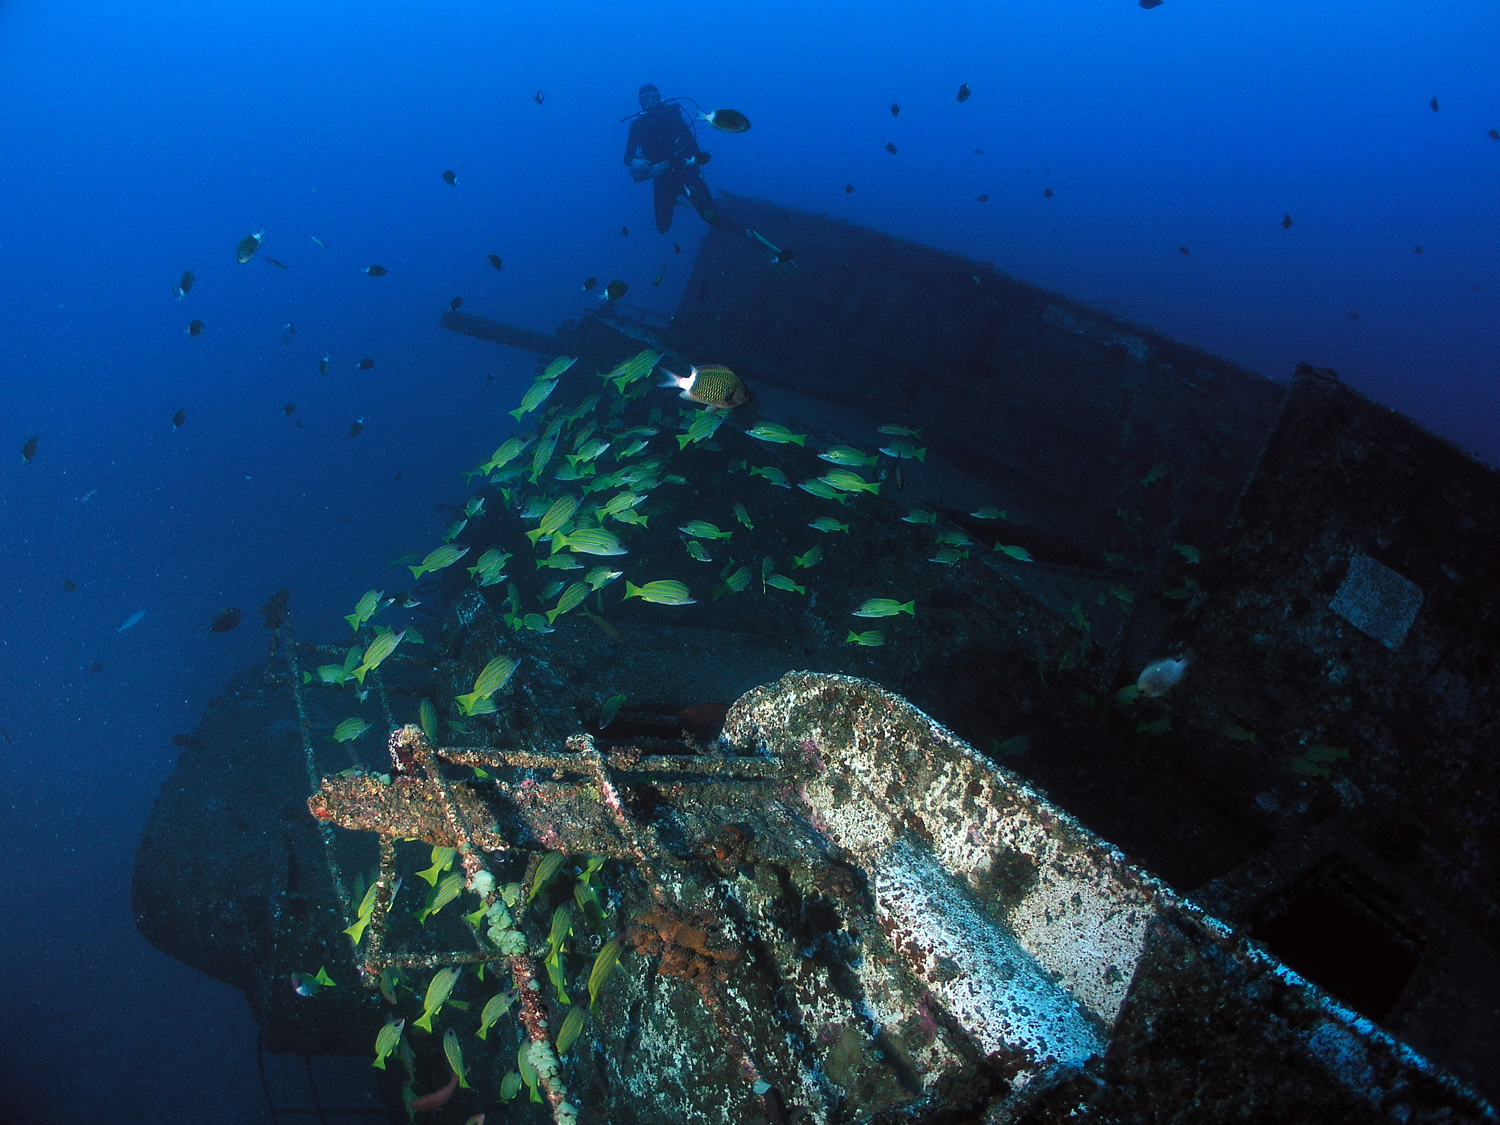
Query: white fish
[[1158, 677], [133, 619]]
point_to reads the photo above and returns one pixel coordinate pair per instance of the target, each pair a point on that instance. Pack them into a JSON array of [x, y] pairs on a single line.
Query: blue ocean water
[[144, 140]]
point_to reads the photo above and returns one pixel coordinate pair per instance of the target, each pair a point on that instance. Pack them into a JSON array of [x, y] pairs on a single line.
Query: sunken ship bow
[[971, 873]]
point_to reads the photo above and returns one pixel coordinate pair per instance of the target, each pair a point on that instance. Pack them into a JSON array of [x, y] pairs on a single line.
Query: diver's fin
[[779, 260]]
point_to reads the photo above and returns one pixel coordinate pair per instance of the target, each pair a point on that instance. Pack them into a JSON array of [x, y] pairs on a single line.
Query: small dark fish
[[319, 241], [1048, 193], [455, 304], [676, 249], [615, 290], [964, 91], [1434, 103], [1286, 222], [365, 364], [1494, 134], [185, 286], [182, 740], [248, 246], [374, 271], [1416, 249], [1182, 249], [278, 264], [178, 419], [702, 290], [1354, 316], [289, 409], [450, 177], [224, 620], [848, 189], [493, 259], [28, 451], [194, 328], [589, 283], [69, 585], [1149, 4], [624, 231], [355, 427], [539, 97], [727, 120], [890, 147], [323, 365], [289, 328], [895, 109], [7, 735], [96, 668], [981, 199]]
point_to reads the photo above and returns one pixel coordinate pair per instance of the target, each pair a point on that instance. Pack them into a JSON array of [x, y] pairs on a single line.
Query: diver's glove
[[640, 170]]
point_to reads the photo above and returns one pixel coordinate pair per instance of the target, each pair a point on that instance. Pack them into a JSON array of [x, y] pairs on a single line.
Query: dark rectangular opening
[[1339, 947]]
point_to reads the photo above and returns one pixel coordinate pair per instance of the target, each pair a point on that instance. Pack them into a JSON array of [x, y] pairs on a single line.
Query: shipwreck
[[720, 861]]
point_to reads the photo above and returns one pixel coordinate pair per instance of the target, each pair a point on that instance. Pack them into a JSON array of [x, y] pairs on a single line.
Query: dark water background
[[140, 140]]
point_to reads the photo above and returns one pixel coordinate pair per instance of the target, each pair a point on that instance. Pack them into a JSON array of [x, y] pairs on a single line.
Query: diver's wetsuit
[[660, 134]]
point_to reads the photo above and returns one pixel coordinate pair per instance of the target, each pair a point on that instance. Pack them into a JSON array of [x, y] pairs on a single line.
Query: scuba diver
[[662, 148]]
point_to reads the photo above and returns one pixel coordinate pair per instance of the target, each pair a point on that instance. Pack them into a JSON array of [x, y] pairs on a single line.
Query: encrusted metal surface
[[1055, 957]]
